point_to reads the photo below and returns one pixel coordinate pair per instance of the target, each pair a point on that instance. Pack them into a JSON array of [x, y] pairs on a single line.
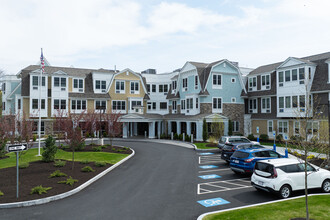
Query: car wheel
[[326, 186], [285, 191]]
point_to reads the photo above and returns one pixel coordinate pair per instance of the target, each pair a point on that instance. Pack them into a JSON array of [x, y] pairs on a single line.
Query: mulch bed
[[38, 174]]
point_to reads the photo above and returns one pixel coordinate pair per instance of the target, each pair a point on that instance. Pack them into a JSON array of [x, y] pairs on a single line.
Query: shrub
[[311, 156], [3, 149], [39, 190], [251, 137], [104, 134], [65, 147], [97, 149], [104, 146], [279, 137], [187, 138], [1, 193], [59, 163], [79, 146], [162, 136], [84, 162], [180, 137], [87, 169], [69, 181], [34, 137], [100, 164], [57, 173], [176, 136], [50, 150], [213, 140], [264, 137], [23, 165]]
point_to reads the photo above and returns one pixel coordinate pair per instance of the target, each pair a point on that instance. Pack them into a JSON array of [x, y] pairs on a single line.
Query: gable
[[290, 62], [187, 67], [59, 72], [127, 75], [224, 67]]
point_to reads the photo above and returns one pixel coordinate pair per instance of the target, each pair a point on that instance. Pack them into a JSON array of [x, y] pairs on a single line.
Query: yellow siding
[[262, 124], [70, 85], [26, 107], [90, 105], [49, 108]]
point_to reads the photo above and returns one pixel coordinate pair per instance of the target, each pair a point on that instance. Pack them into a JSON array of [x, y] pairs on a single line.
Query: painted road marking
[[212, 176], [208, 166], [226, 185], [208, 153], [213, 202], [216, 170], [209, 159]]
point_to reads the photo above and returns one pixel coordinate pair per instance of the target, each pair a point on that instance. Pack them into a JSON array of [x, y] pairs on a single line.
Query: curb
[[66, 194], [259, 204], [162, 141]]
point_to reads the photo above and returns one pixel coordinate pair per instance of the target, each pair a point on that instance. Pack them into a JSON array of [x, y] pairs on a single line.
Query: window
[[134, 87], [43, 104], [283, 127], [165, 88], [233, 99], [120, 86], [148, 88], [280, 77], [301, 73], [190, 103], [281, 102], [287, 101], [97, 84], [183, 104], [217, 103], [294, 101], [233, 80], [100, 105], [174, 105], [151, 105], [18, 104], [296, 128], [78, 104], [63, 82], [163, 105], [196, 103], [253, 106], [270, 126], [161, 88], [56, 104], [287, 76], [153, 88], [63, 104], [4, 88], [58, 80], [196, 82], [185, 82], [103, 85], [35, 103], [265, 105], [118, 105], [294, 75], [235, 126], [3, 106], [36, 127], [265, 81], [252, 83], [78, 84], [174, 85], [135, 103], [35, 80], [302, 101], [216, 79]]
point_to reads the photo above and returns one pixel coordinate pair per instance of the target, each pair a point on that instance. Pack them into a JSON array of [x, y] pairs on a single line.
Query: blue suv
[[243, 160]]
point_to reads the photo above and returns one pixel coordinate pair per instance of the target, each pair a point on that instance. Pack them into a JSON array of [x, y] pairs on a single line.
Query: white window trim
[[217, 110], [253, 110], [101, 100], [184, 88], [120, 91], [265, 87], [215, 86], [278, 127], [78, 110], [270, 132], [266, 110], [233, 80], [134, 91], [118, 111], [233, 99], [252, 88], [81, 90]]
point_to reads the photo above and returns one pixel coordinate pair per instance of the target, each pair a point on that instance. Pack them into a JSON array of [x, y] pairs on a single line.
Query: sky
[[163, 35]]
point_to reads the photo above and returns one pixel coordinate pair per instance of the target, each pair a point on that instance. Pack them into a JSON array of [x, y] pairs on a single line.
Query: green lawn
[[318, 209], [30, 156], [203, 146]]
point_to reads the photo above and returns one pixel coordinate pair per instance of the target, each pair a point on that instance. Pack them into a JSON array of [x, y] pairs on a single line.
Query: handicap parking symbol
[[208, 153], [212, 176], [208, 166], [213, 202]]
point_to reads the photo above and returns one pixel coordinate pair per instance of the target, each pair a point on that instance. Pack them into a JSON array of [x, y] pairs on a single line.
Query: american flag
[[42, 62]]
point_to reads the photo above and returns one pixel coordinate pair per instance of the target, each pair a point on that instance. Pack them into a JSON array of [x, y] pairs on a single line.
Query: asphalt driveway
[[161, 181]]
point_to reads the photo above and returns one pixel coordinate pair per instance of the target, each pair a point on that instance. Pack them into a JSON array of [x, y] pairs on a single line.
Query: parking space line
[[216, 170], [208, 184], [218, 188], [222, 190], [233, 183]]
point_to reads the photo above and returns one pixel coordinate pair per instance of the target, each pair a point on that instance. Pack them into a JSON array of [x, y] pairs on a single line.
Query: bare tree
[[90, 119], [113, 125]]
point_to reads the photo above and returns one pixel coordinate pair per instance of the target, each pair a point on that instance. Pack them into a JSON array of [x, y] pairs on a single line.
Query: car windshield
[[240, 154], [227, 147]]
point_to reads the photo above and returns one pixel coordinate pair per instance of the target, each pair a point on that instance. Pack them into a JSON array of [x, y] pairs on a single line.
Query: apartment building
[[11, 94], [278, 97]]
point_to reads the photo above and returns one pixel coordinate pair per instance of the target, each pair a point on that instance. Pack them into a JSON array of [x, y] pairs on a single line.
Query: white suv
[[285, 175]]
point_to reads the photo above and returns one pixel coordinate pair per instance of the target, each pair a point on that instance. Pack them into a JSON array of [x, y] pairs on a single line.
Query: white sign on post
[[274, 133], [257, 130], [286, 137]]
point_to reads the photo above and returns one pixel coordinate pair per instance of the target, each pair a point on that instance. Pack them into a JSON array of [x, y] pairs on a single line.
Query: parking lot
[[219, 187]]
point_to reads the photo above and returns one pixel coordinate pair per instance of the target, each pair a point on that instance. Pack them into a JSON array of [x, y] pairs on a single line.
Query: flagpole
[[39, 103]]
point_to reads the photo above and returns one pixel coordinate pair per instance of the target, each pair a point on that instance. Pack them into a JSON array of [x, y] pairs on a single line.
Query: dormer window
[[174, 85], [101, 85], [185, 84], [120, 86], [35, 82], [78, 85], [60, 82], [265, 82], [134, 87], [253, 83], [217, 81], [196, 82]]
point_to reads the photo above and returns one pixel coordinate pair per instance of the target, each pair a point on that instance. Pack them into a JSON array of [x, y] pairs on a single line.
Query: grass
[[318, 209], [203, 146], [30, 156]]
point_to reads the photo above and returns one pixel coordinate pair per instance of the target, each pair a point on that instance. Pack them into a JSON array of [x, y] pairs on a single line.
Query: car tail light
[[274, 174], [233, 149], [248, 160]]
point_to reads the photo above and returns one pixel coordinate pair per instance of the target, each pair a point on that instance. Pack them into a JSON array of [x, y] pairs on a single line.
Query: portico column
[[125, 129], [159, 128], [135, 128], [169, 127], [188, 128], [131, 129], [152, 129], [225, 127], [199, 131], [178, 127]]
